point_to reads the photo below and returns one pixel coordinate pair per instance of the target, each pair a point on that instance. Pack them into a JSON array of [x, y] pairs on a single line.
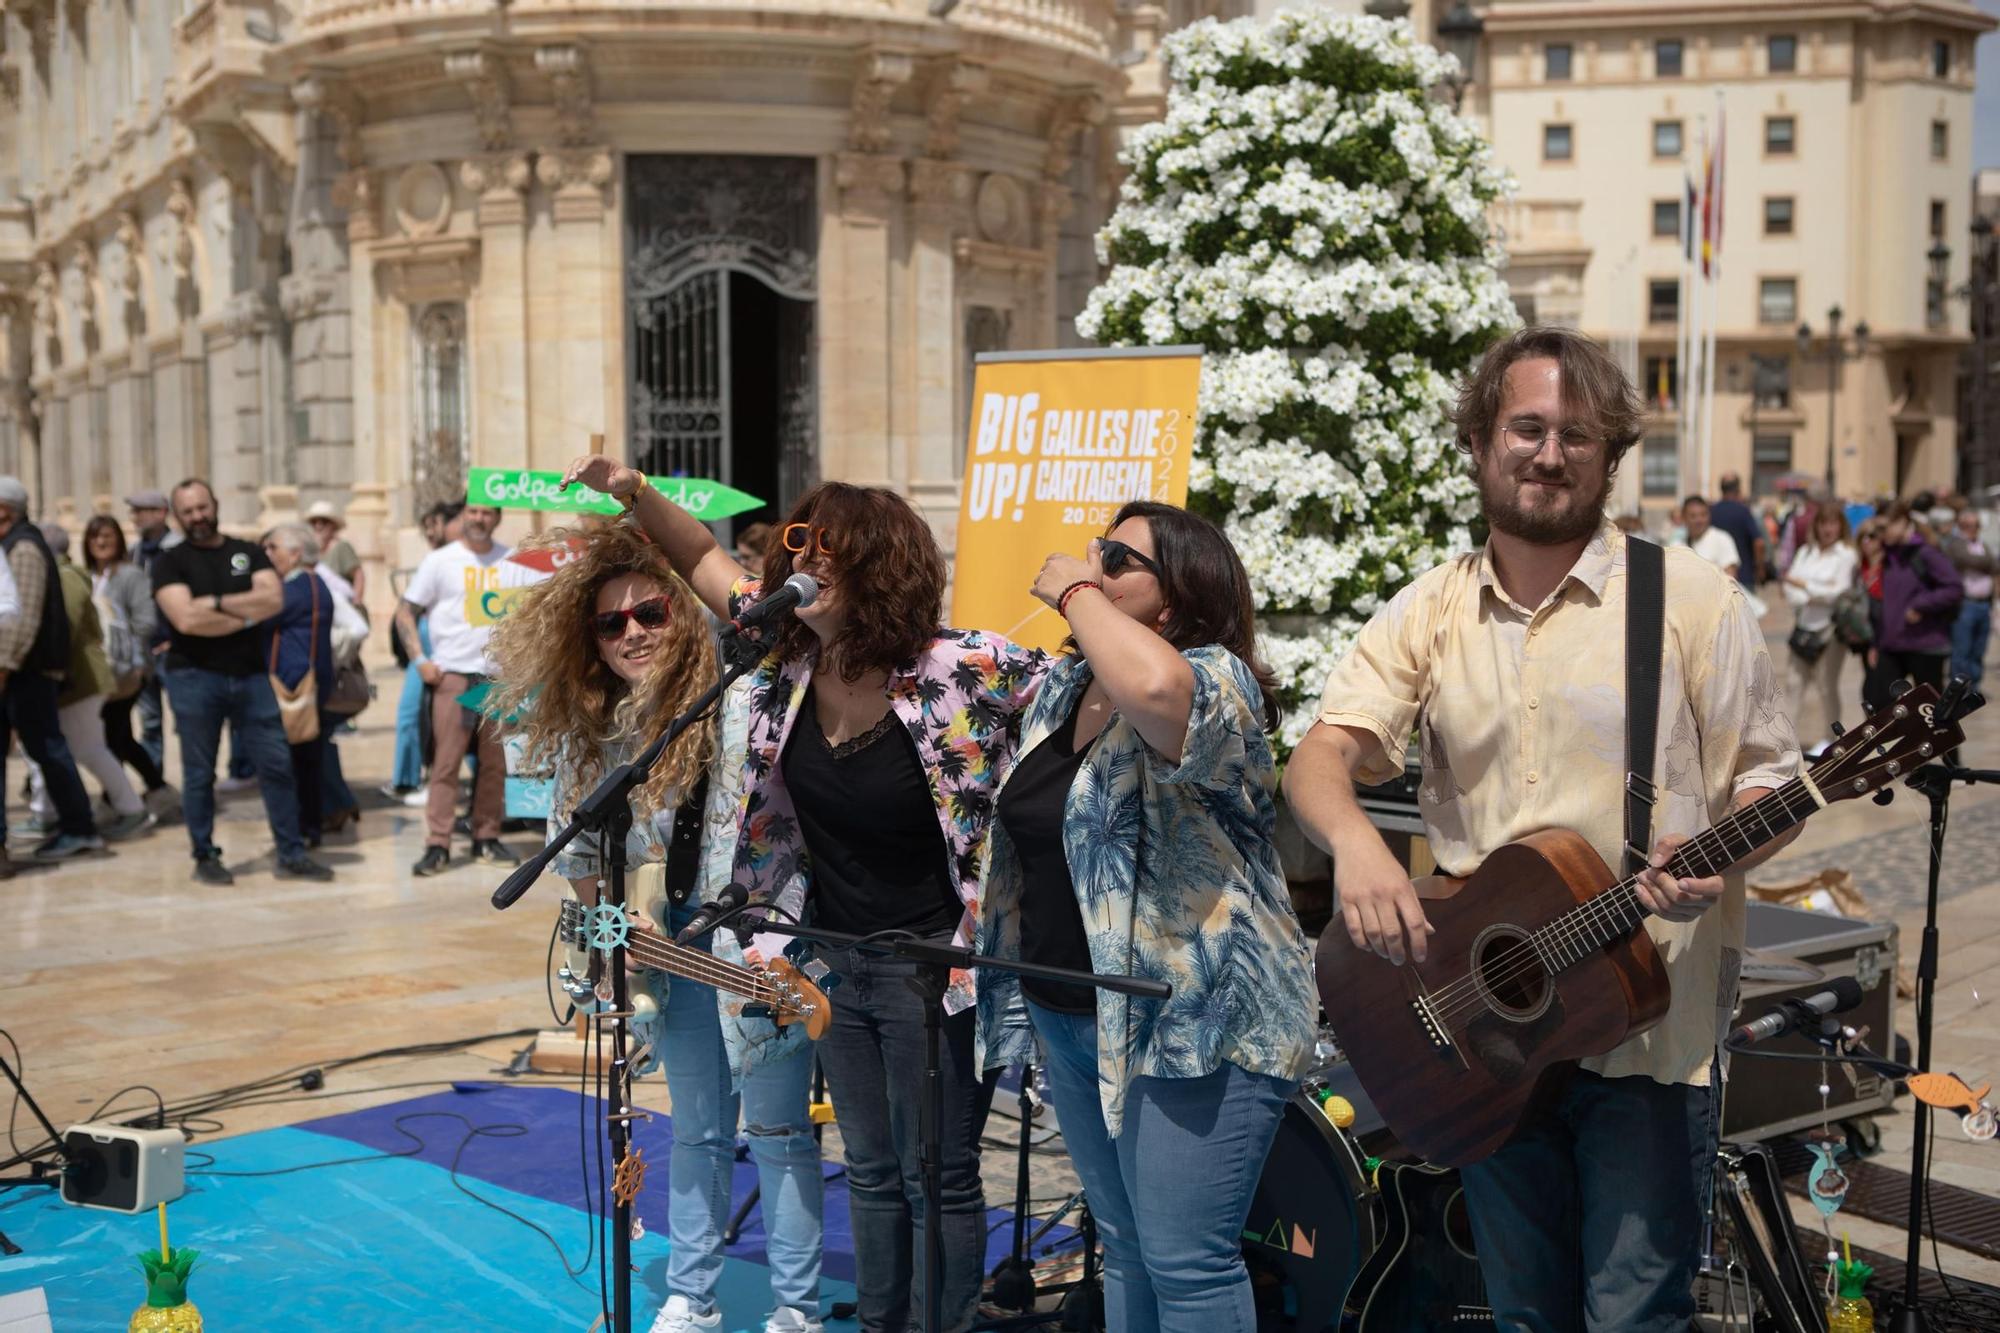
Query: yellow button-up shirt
[[1521, 718]]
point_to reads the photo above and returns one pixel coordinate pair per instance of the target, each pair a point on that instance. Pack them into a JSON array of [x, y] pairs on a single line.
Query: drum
[[1315, 1218]]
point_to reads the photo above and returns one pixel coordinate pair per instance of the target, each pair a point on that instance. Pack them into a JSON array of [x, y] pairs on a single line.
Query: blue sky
[[1986, 100]]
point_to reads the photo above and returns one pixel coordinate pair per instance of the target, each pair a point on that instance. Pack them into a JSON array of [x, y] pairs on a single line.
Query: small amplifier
[[123, 1169]]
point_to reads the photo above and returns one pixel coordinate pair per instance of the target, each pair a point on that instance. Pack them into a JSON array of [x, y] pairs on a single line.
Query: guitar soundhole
[[1510, 977]]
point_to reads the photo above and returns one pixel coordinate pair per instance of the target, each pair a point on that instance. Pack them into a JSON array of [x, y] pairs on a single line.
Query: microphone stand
[[607, 812], [934, 966]]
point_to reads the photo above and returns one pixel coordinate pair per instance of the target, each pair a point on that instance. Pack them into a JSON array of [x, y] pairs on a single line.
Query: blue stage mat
[[393, 1244]]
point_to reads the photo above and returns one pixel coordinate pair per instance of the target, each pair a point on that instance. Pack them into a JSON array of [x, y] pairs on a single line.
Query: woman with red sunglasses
[[597, 661], [877, 741]]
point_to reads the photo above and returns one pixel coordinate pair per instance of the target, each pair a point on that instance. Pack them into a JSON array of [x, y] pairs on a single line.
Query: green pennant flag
[[519, 488]]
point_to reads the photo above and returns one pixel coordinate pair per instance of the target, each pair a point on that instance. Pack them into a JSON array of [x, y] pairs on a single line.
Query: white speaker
[[123, 1169]]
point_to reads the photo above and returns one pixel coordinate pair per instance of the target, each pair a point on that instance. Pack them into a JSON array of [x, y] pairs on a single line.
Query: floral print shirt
[[1177, 874], [962, 700], [749, 1042]]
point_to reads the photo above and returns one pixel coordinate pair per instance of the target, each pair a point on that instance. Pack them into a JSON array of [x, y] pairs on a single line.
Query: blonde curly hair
[[572, 706]]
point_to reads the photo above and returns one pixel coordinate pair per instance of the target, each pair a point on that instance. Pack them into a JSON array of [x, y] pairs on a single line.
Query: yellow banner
[[1056, 443]]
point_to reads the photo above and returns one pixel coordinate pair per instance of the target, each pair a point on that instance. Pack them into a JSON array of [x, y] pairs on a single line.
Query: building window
[[1780, 136], [1940, 140], [1770, 383], [1556, 62], [1556, 145], [1941, 59], [441, 450], [1770, 459], [1667, 217], [1666, 138], [1778, 300], [1778, 215], [1667, 58], [1663, 300], [1937, 219], [1660, 466], [1783, 53], [1663, 383]]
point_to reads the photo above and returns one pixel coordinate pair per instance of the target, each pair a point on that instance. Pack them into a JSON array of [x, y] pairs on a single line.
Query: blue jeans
[[1592, 1218], [873, 1055], [773, 1105], [152, 731], [409, 720], [1969, 634], [1172, 1191], [202, 702], [28, 710]]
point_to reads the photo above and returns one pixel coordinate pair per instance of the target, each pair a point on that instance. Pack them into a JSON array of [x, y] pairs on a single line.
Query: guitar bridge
[[1434, 1030]]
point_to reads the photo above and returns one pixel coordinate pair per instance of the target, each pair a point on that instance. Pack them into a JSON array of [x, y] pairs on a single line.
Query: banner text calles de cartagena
[[1056, 443]]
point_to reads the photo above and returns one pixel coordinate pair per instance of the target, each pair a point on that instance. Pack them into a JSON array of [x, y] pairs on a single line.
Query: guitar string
[[679, 959], [1573, 927], [1576, 926]]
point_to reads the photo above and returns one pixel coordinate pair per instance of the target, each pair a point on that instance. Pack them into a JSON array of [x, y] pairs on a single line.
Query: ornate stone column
[[315, 295], [499, 333]]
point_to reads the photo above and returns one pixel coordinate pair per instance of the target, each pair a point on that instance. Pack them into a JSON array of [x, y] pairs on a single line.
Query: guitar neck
[[1617, 912], [680, 960]]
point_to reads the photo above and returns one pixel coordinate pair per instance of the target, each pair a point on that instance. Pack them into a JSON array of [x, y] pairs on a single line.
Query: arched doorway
[[719, 290]]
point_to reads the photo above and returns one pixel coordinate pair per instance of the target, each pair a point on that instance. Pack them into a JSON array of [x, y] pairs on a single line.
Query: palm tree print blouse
[[1177, 874], [962, 700]]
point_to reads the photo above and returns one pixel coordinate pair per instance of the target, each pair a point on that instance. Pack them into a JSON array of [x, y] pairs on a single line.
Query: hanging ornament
[[167, 1308], [630, 1177], [1826, 1183]]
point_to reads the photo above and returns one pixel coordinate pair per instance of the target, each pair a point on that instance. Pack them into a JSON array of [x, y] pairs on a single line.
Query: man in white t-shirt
[[1708, 541], [453, 587]]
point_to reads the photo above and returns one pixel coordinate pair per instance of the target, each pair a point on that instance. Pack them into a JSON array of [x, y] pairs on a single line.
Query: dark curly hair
[[1596, 394], [889, 569]]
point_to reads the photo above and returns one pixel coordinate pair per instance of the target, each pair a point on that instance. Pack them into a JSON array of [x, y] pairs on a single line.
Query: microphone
[[704, 921], [798, 590], [1843, 994]]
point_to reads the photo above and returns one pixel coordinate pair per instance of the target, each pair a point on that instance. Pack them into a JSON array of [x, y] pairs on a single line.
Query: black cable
[[548, 977]]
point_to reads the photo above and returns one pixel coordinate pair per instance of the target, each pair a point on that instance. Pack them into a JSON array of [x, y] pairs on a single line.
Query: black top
[[208, 570], [1031, 810], [879, 860]]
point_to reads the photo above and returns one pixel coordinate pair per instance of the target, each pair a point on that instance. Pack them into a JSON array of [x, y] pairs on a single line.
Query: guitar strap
[[1645, 616], [684, 850]]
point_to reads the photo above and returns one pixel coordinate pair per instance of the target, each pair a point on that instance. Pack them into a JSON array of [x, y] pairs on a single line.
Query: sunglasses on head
[[799, 537], [1117, 557], [650, 614]]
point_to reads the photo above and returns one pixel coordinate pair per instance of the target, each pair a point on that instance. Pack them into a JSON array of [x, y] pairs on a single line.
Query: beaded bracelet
[[1062, 602]]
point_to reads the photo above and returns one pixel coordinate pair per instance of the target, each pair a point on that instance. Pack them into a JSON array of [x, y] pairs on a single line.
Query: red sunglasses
[[651, 614]]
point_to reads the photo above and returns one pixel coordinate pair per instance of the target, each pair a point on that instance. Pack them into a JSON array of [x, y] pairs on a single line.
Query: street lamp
[[1460, 31], [1836, 353]]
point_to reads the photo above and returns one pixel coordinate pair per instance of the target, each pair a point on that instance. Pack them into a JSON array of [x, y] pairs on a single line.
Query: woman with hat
[[336, 556]]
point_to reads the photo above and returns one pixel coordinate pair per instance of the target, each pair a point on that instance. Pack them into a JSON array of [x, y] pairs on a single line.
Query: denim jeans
[[1969, 634], [1172, 1191], [409, 720], [28, 710], [1592, 1218], [202, 702], [773, 1105], [152, 720], [873, 1056]]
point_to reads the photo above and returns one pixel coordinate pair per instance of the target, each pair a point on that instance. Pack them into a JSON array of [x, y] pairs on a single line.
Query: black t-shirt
[[878, 854], [1031, 810], [208, 570]]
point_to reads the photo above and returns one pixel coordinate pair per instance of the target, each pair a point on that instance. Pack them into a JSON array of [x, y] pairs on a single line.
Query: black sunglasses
[[1115, 556], [651, 614]]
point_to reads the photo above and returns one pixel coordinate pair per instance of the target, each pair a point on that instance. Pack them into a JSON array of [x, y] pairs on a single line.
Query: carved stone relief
[[422, 200]]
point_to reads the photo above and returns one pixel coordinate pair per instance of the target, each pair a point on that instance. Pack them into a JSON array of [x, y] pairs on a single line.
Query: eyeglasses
[[1117, 556], [1526, 438], [798, 537], [650, 614]]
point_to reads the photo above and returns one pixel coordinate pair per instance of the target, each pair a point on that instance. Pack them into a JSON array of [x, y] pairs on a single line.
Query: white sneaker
[[678, 1316], [417, 798], [787, 1319], [229, 784]]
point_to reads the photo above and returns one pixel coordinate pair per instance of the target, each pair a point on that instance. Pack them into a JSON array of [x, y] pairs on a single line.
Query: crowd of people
[[1904, 585]]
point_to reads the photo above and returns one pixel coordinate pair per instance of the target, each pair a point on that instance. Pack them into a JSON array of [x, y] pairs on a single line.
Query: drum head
[[1312, 1223]]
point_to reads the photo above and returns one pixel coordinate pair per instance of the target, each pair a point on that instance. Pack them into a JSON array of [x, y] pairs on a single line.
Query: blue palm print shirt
[[1177, 874]]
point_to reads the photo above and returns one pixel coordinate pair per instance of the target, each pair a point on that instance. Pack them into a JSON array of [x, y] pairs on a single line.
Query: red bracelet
[[1062, 602]]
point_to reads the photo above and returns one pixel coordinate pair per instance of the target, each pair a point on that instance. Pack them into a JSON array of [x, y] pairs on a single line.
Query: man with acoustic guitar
[[1510, 661]]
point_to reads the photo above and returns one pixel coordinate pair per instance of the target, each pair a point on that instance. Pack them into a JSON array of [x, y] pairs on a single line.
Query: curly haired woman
[[877, 741], [597, 661]]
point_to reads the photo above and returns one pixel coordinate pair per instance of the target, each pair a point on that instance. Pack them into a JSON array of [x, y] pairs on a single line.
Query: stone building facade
[[343, 249]]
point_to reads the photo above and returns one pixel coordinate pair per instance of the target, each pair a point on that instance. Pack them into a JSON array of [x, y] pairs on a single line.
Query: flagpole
[[1717, 197], [1681, 326], [1697, 291]]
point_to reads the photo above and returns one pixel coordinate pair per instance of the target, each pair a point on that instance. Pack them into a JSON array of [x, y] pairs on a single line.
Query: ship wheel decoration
[[608, 927], [630, 1177]]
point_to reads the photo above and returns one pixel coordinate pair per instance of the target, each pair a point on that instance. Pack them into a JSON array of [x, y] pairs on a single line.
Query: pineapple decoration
[[1850, 1311], [167, 1308]]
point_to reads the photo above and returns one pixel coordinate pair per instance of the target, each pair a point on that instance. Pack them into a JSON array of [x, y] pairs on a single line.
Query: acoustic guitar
[[1538, 959], [1424, 1277]]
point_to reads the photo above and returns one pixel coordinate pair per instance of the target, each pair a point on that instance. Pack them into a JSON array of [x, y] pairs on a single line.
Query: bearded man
[[1510, 660]]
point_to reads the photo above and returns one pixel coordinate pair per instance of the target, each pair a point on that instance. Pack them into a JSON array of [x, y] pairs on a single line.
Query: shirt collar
[[1604, 553]]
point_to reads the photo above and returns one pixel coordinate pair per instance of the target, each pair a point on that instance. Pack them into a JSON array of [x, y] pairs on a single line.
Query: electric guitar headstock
[[1889, 746]]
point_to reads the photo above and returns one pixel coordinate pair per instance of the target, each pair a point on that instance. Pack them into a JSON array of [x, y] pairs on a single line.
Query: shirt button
[[1534, 777], [1533, 702]]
